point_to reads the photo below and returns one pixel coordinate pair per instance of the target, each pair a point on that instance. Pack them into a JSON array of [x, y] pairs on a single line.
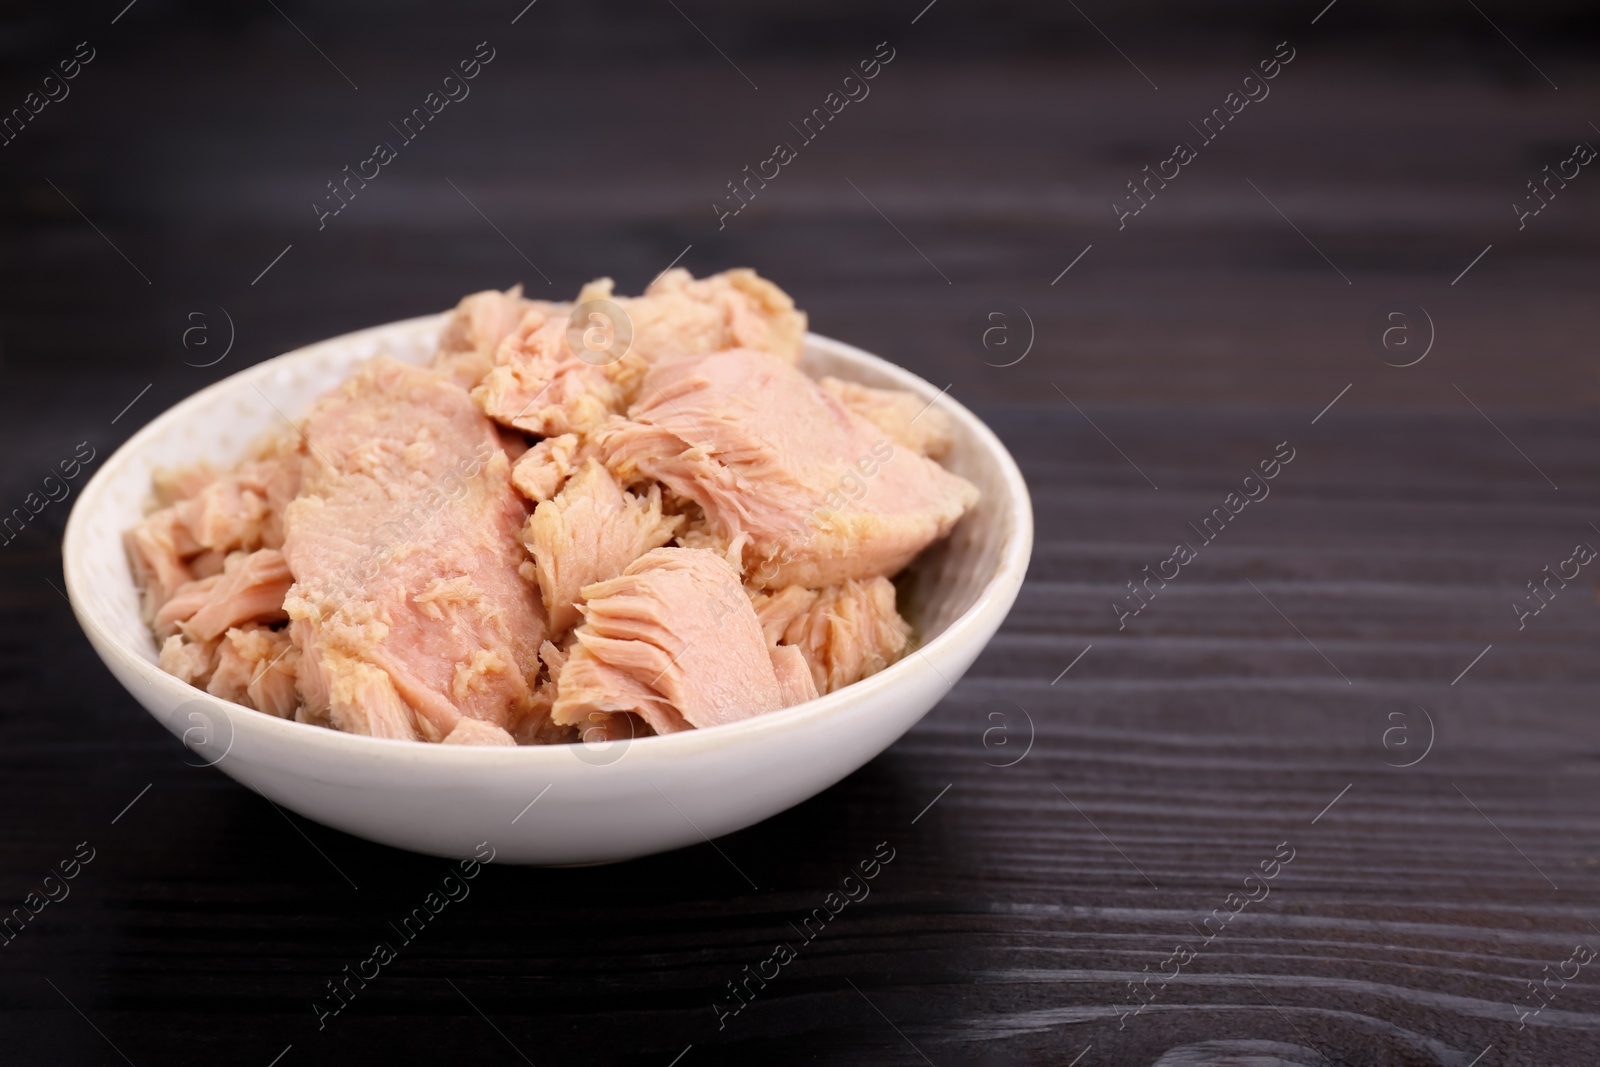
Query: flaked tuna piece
[[540, 385], [909, 420], [257, 667], [674, 640], [242, 509], [345, 693], [820, 493], [795, 681], [224, 516], [590, 532], [189, 661], [776, 610], [475, 329], [207, 516], [477, 732], [172, 484], [543, 469], [680, 316], [697, 532], [850, 631], [274, 687], [537, 728], [282, 485], [156, 549], [187, 599], [553, 658], [845, 632], [251, 588], [407, 604]]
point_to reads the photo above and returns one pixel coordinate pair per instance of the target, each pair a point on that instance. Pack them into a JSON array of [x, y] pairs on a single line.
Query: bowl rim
[[996, 596]]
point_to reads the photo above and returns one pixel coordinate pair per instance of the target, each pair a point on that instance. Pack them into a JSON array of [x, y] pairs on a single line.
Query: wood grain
[[1082, 824]]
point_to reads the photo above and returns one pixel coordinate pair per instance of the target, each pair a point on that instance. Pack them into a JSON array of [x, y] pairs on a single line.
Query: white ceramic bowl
[[595, 803]]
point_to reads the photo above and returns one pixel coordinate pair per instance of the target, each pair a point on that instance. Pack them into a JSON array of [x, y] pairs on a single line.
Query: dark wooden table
[[1339, 675]]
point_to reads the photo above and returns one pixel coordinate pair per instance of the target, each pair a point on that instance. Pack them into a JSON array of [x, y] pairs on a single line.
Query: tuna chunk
[[244, 508], [257, 667], [187, 599], [810, 492], [849, 631], [543, 469], [909, 420], [540, 385], [697, 532], [539, 729], [172, 484], [795, 682], [588, 533], [477, 732], [156, 551], [674, 640], [206, 517], [679, 316], [775, 611], [345, 693], [476, 327], [251, 588], [407, 604], [189, 661]]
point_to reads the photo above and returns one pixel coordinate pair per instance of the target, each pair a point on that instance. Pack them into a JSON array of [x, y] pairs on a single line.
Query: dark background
[[1171, 759]]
